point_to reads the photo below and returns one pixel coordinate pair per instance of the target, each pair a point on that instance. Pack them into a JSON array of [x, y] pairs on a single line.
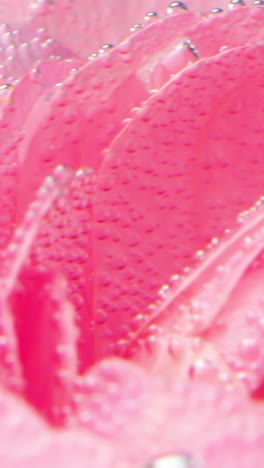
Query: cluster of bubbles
[[173, 8]]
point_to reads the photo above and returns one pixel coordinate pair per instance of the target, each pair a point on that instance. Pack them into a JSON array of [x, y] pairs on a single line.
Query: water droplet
[[248, 241], [175, 279], [196, 343], [93, 56], [138, 320], [135, 110], [249, 348], [151, 15], [121, 346], [5, 86], [214, 242], [100, 317], [200, 254], [136, 27], [176, 6], [261, 323], [186, 270], [164, 290], [152, 343], [216, 10], [236, 3], [105, 48], [191, 48], [174, 347], [126, 121], [258, 2], [172, 461], [243, 376]]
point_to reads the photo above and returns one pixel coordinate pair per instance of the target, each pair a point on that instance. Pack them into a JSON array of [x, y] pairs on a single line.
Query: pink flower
[[131, 234]]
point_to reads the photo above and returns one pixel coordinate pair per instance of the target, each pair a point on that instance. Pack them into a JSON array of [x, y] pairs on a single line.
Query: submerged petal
[[175, 177]]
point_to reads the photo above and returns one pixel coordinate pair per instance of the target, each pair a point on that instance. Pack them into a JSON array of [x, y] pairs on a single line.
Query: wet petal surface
[[160, 195]]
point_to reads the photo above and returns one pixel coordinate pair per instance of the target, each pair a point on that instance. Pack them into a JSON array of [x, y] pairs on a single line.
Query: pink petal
[[119, 401], [26, 442], [43, 319], [108, 22], [22, 48], [153, 209], [44, 323], [232, 28], [16, 121], [57, 238], [87, 110], [97, 94], [14, 11], [221, 302], [62, 244], [10, 368]]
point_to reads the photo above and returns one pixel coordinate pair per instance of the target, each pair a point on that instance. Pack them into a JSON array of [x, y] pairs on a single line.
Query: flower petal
[[87, 110], [116, 398], [20, 426], [175, 177], [220, 303], [62, 244], [19, 115], [43, 319]]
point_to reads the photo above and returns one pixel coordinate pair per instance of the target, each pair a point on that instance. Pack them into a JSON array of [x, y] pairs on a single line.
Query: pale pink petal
[[22, 48], [108, 22], [160, 194], [14, 11], [120, 401], [26, 442], [31, 95], [10, 367]]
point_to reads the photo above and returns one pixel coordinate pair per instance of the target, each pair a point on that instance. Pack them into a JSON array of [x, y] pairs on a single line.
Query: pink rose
[[131, 234]]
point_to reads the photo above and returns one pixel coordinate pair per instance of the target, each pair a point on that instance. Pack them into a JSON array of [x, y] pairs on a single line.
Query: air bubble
[[186, 270], [136, 27], [249, 348], [105, 48], [202, 368], [100, 317], [172, 461], [176, 6], [150, 16], [199, 255], [214, 242], [175, 279], [248, 241], [236, 3], [191, 48], [164, 290], [138, 320], [216, 10], [121, 345], [93, 56], [174, 347]]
